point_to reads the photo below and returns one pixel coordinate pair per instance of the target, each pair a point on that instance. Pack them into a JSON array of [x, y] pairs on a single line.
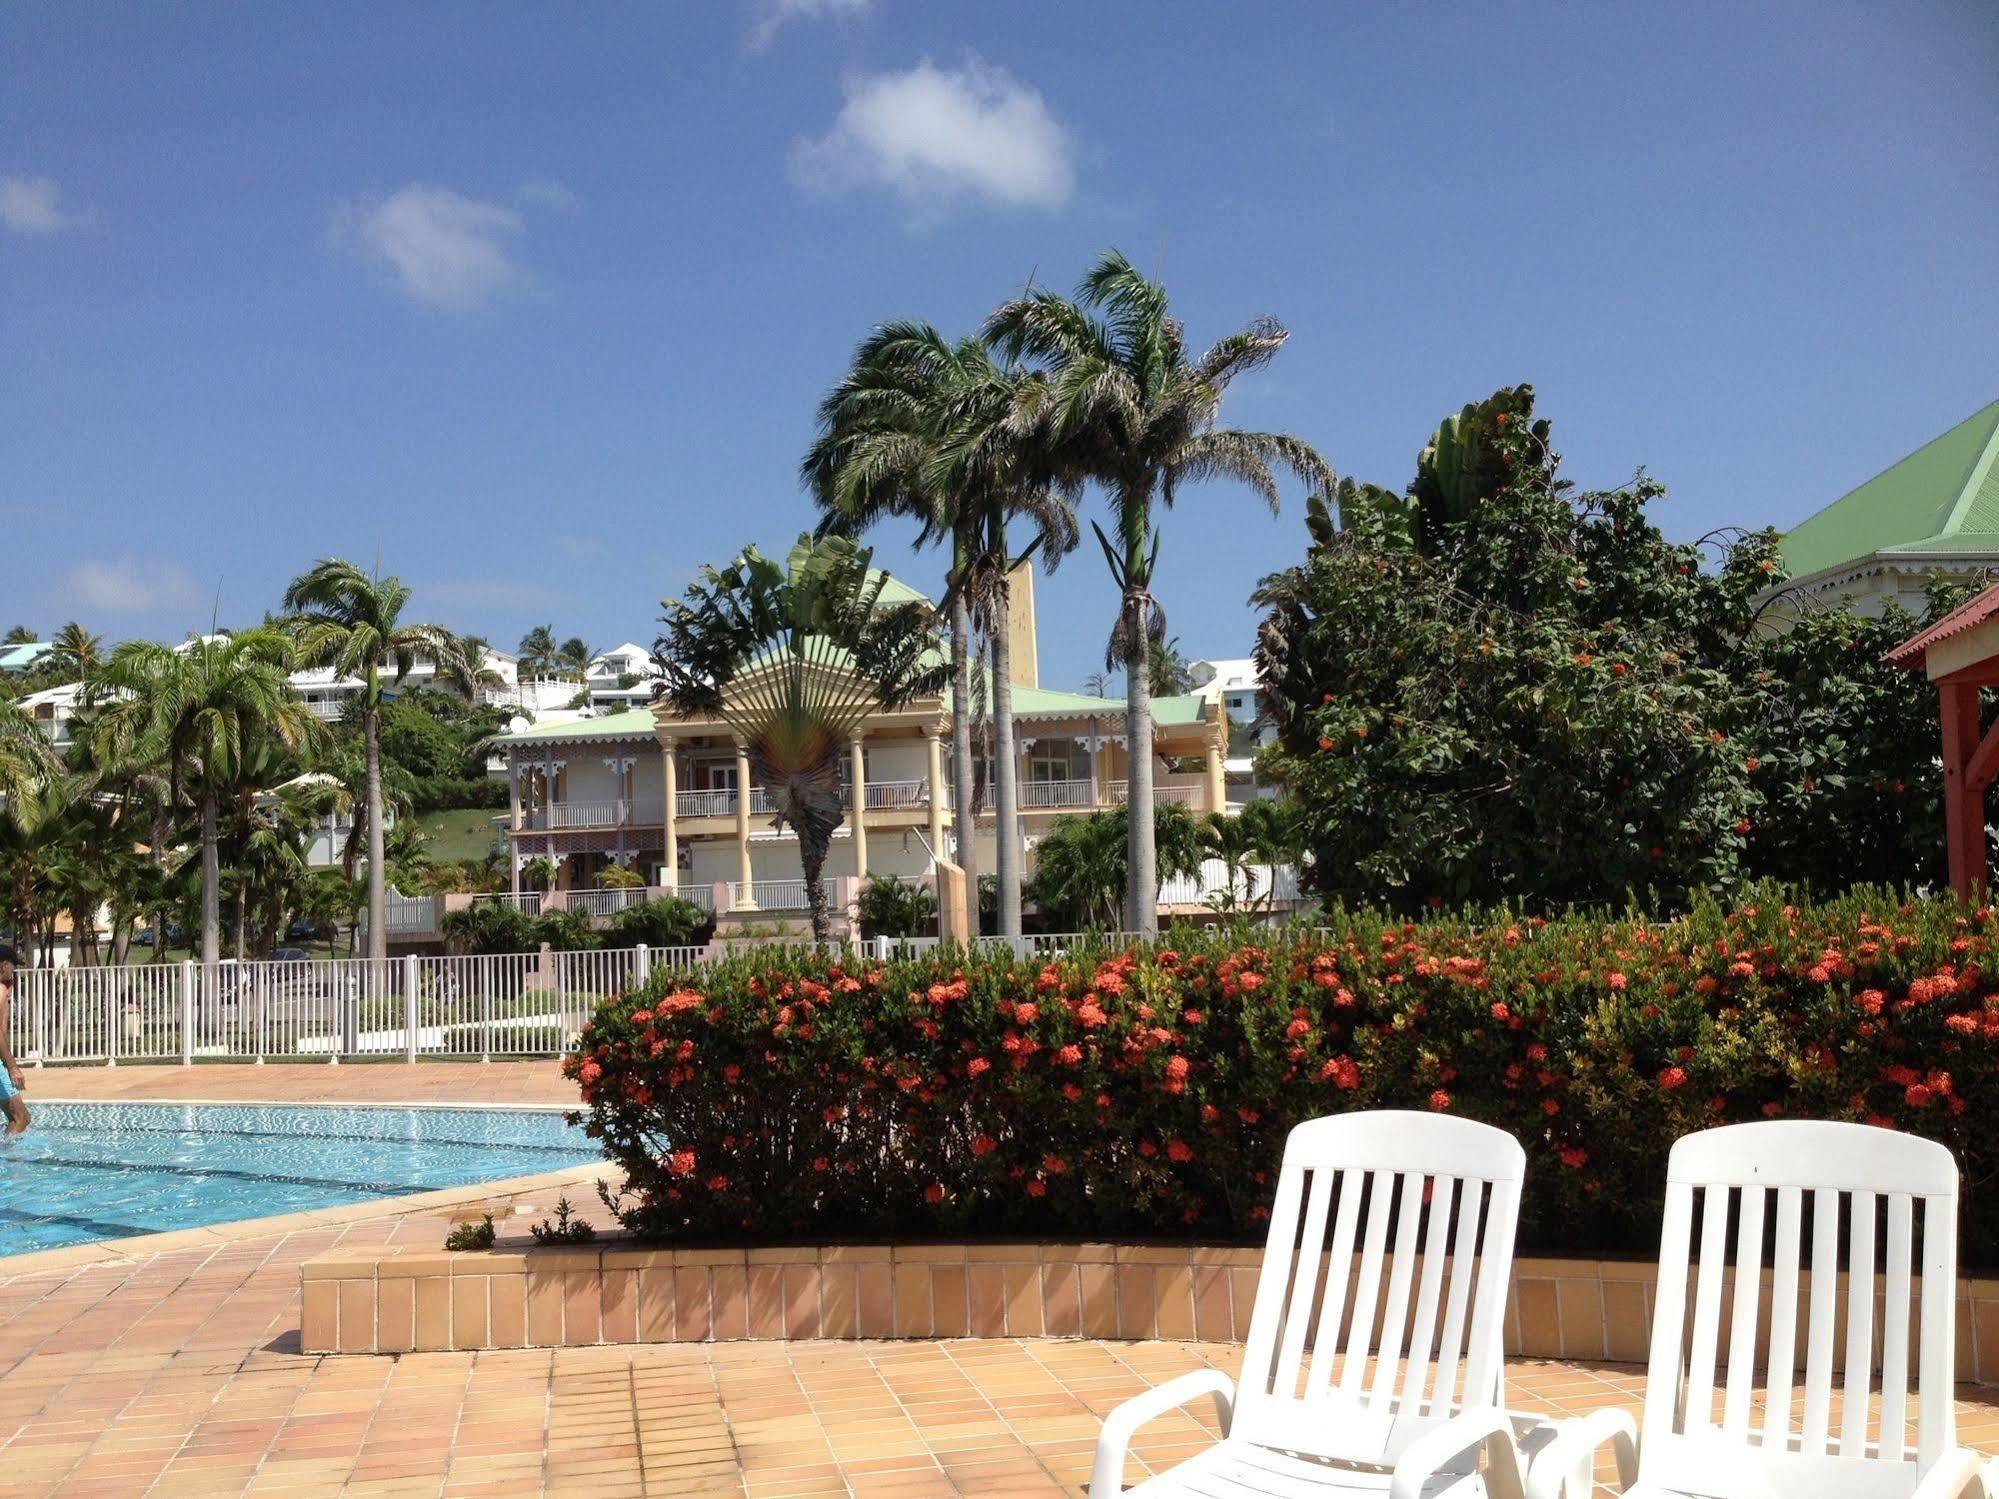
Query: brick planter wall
[[382, 1299]]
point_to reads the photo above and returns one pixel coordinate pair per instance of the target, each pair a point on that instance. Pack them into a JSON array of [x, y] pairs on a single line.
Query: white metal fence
[[514, 1004]]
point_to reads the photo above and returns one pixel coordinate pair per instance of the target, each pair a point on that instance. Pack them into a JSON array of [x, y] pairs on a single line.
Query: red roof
[[1973, 611]]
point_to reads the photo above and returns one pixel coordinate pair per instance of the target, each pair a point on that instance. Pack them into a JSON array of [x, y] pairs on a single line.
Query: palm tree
[[1168, 669], [1081, 870], [77, 652], [1128, 408], [19, 635], [198, 709], [353, 622], [793, 658], [574, 656], [537, 649], [936, 430]]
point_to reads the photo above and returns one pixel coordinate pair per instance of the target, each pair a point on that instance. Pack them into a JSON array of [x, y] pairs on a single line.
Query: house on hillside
[[23, 656], [622, 678], [671, 798], [1936, 511]]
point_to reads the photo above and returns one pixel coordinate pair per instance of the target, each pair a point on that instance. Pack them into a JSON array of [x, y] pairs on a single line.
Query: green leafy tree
[[793, 658], [1492, 688], [666, 922], [76, 652], [200, 710], [1129, 407], [1081, 868], [351, 621], [1168, 668], [538, 650]]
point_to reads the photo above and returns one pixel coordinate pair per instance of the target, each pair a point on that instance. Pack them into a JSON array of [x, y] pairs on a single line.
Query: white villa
[[326, 694]]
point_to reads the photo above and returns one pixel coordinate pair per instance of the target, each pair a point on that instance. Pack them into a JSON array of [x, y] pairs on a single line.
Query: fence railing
[[780, 895], [1071, 793], [503, 1005], [1247, 888]]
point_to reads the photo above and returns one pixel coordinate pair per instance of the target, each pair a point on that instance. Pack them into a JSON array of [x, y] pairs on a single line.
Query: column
[[744, 874], [1218, 786], [858, 813], [670, 781], [513, 791], [932, 737]]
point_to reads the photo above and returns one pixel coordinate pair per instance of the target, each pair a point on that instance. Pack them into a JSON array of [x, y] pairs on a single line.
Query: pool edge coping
[[136, 1248]]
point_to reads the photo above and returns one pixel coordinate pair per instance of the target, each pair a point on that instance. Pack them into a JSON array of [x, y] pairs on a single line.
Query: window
[[1056, 762]]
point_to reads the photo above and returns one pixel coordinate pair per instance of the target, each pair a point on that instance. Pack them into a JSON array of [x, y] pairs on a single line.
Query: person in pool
[[11, 1080]]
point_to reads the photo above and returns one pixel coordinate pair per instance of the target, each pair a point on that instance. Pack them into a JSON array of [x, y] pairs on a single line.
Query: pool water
[[90, 1171]]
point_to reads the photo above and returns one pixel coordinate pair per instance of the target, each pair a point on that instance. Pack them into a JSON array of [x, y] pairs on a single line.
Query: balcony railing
[[611, 814], [1188, 791], [778, 895], [1040, 795], [893, 795], [1252, 886]]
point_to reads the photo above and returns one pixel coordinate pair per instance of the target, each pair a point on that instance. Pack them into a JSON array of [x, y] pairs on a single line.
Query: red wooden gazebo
[[1960, 653]]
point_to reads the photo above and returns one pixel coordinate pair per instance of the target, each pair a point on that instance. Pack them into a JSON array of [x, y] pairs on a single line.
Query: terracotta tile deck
[[176, 1374], [489, 1084]]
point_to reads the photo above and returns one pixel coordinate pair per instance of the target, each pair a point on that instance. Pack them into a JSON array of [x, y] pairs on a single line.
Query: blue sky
[[534, 302]]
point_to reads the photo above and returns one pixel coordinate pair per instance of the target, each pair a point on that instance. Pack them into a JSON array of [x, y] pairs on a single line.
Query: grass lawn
[[458, 834]]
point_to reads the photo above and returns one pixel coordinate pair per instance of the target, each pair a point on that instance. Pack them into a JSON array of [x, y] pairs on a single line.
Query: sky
[[532, 304]]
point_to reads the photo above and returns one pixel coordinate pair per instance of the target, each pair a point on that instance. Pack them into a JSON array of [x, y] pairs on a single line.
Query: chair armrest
[[1481, 1426], [1958, 1474], [1107, 1477], [1572, 1454]]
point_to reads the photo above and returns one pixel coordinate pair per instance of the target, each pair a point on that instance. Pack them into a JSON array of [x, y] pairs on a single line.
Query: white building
[[326, 693], [622, 678], [1233, 684]]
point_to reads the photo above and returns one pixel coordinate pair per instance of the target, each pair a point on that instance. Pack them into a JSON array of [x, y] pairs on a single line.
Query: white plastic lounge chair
[[1881, 1197], [1432, 1202]]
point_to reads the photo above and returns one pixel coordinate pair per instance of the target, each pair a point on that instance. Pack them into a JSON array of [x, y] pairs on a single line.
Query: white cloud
[[774, 14], [933, 136], [580, 548], [33, 205], [546, 192], [441, 248], [129, 586]]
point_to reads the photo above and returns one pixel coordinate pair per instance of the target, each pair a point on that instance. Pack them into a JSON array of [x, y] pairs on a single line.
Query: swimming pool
[[90, 1171]]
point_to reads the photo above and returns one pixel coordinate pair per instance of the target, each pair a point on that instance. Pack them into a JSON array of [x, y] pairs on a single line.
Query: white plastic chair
[[1859, 1194], [1432, 1202]]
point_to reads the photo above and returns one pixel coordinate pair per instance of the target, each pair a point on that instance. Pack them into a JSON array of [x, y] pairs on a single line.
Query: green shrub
[[566, 930], [666, 922], [893, 907], [489, 926], [1148, 1092]]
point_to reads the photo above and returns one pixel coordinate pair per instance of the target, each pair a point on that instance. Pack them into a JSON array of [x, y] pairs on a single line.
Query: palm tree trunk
[[963, 814], [1141, 857], [378, 873], [812, 857], [1006, 793], [211, 884]]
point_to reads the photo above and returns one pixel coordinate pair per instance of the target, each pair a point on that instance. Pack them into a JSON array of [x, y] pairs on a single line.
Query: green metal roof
[[1942, 498], [632, 721]]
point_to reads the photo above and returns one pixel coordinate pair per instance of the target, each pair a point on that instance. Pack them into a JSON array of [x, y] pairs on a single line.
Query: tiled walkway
[[177, 1375], [488, 1084]]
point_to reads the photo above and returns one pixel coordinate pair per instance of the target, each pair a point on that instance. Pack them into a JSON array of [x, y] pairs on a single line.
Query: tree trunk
[[964, 816], [1006, 791], [812, 857], [378, 872], [242, 915], [211, 884], [1141, 857]]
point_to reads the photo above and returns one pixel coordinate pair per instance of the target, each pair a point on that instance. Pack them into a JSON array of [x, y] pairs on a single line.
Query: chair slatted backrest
[[1354, 1361], [1807, 1195]]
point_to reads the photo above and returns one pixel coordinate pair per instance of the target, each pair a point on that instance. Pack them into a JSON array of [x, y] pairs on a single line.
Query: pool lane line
[[469, 1106], [99, 1228], [57, 1127]]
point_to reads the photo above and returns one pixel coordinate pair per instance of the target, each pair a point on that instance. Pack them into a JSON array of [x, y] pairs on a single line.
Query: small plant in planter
[[470, 1235], [566, 1228]]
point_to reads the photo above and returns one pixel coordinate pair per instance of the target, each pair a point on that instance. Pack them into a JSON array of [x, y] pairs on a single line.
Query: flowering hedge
[[1147, 1092]]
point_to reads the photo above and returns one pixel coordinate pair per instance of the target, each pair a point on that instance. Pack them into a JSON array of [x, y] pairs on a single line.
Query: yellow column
[[859, 811], [743, 872], [932, 742], [1218, 786], [670, 781]]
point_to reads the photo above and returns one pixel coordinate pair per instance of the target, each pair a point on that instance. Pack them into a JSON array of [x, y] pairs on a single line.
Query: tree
[[1492, 688], [794, 658], [574, 656], [77, 652], [1126, 406], [1081, 867], [1264, 832], [352, 622], [1167, 668], [26, 757], [538, 649], [197, 709], [19, 635], [931, 429]]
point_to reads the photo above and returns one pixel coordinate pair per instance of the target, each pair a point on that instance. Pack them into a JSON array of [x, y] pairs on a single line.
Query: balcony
[[610, 814], [1188, 791], [779, 895], [892, 796], [1041, 796]]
